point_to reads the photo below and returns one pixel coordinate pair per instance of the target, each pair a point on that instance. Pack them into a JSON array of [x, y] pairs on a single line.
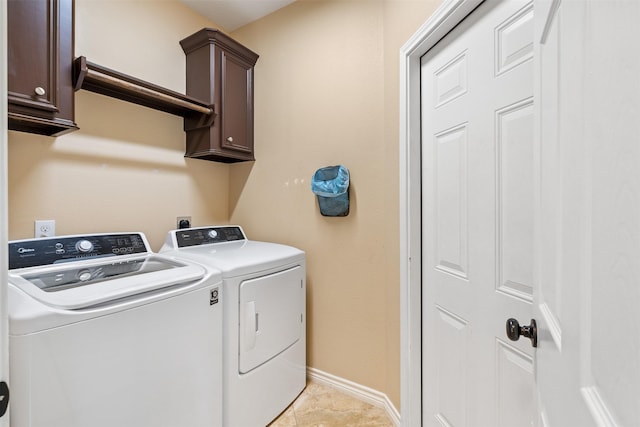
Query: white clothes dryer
[[264, 288], [104, 333]]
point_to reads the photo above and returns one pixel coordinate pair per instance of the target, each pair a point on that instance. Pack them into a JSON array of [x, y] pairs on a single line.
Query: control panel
[[36, 252], [208, 235]]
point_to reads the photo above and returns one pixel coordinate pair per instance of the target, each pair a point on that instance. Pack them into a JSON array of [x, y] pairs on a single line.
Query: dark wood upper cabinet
[[220, 72], [40, 60]]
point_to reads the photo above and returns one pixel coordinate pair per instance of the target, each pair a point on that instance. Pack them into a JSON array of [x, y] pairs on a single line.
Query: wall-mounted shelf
[[102, 80]]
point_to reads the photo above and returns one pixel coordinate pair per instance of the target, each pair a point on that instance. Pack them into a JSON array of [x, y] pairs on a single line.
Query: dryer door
[[271, 310]]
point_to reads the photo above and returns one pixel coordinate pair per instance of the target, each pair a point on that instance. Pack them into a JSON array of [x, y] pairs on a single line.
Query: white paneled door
[[478, 228], [531, 209], [587, 303]]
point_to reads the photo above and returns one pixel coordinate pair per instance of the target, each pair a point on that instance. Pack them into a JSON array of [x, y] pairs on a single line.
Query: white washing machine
[[264, 303], [105, 333]]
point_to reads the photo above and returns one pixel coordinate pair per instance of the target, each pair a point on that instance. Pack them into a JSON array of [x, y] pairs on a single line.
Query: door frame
[[4, 216], [449, 14]]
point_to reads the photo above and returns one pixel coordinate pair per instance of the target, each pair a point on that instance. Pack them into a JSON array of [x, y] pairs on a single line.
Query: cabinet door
[[220, 72], [40, 58], [237, 106]]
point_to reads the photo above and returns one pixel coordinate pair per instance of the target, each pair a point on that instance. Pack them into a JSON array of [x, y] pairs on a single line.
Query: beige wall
[[326, 93], [327, 90], [124, 169]]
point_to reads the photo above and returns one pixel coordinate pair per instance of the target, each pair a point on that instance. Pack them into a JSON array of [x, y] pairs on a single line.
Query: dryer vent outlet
[[184, 222]]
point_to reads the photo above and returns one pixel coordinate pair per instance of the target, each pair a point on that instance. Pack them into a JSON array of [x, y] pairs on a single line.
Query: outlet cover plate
[[44, 228]]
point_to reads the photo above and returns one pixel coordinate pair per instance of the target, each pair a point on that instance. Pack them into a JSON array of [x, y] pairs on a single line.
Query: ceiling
[[233, 14]]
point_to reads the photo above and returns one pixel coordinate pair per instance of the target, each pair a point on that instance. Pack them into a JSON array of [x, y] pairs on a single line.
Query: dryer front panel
[[271, 316]]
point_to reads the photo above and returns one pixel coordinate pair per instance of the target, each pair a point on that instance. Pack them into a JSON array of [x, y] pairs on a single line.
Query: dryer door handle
[[250, 328]]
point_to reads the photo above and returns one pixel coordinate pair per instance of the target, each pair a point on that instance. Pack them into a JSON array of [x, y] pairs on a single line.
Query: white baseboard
[[366, 394]]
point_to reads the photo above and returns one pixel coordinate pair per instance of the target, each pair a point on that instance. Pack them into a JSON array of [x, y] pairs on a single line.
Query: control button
[[59, 245], [59, 251], [213, 234], [84, 246], [84, 275]]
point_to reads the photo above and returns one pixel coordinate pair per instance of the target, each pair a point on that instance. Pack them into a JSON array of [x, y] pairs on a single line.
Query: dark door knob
[[4, 397], [514, 330]]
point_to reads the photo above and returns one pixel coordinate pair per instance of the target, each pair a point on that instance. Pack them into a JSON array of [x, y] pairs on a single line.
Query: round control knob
[[84, 275], [40, 91], [84, 246], [213, 234]]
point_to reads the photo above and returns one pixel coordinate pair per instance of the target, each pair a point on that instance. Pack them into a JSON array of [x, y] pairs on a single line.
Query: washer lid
[[86, 284], [84, 275]]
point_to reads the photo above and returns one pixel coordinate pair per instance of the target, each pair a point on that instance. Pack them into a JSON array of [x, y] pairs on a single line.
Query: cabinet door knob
[[229, 139], [40, 91]]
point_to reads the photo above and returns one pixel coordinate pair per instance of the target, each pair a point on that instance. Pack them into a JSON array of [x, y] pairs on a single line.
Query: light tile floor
[[321, 406]]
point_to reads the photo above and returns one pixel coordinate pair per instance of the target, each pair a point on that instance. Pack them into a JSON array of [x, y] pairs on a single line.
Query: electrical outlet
[[44, 228], [183, 222]]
